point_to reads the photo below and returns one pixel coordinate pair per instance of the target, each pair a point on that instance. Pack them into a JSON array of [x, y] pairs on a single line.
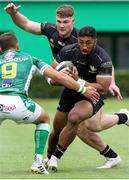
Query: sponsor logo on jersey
[[9, 55], [7, 83], [14, 60], [7, 108], [107, 64]]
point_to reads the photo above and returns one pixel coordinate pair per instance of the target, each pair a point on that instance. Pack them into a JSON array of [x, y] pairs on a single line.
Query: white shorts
[[19, 109]]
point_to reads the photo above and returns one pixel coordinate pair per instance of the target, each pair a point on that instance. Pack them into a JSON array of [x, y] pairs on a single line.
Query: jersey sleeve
[[105, 68], [40, 65], [47, 29]]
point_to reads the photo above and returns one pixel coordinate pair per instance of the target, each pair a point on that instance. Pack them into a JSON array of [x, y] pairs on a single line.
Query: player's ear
[[17, 46], [95, 42]]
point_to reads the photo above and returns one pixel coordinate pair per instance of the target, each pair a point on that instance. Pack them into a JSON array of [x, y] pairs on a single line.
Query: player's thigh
[[80, 112], [60, 120], [30, 111]]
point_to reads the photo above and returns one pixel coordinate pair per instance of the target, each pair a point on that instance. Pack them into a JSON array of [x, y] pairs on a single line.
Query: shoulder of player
[[69, 48], [22, 53], [75, 32], [27, 56], [67, 52], [101, 54], [48, 26]]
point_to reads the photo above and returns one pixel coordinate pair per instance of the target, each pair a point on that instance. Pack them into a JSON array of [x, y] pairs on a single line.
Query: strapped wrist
[[82, 89]]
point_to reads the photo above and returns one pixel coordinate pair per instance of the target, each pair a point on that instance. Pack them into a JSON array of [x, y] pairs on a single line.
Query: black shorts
[[70, 97]]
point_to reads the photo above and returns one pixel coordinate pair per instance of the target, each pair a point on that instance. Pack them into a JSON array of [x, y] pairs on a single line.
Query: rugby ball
[[65, 65]]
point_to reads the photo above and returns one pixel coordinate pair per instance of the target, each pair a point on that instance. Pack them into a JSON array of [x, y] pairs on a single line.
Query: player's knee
[[74, 118], [45, 118]]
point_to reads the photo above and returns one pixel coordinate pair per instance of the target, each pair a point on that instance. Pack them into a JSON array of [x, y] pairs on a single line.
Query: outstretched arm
[[69, 82], [22, 21]]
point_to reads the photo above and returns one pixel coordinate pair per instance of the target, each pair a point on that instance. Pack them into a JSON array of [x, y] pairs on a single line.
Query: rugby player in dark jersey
[[60, 35], [94, 66]]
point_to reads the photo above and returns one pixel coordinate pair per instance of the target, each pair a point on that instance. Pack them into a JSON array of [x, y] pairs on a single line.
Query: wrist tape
[[82, 89]]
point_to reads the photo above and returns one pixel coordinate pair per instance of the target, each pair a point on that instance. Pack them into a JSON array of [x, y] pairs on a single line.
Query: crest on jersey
[[52, 42], [61, 43], [93, 69]]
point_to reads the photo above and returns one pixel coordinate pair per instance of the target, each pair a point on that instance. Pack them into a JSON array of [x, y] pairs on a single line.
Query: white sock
[[38, 158]]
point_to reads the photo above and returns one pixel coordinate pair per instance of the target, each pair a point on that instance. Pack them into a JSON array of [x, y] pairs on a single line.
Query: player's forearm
[[70, 83], [20, 20], [67, 81], [97, 86], [61, 78]]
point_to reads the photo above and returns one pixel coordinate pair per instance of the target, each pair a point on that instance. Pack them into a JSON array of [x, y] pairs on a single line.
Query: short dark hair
[[8, 40], [65, 11], [88, 31]]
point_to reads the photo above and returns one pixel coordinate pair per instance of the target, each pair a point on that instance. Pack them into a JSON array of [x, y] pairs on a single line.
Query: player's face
[[64, 26], [86, 44]]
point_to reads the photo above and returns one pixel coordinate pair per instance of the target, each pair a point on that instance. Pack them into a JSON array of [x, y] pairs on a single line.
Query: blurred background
[[110, 18]]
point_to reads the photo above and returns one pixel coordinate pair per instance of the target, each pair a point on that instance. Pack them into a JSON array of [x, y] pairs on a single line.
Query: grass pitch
[[79, 161]]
